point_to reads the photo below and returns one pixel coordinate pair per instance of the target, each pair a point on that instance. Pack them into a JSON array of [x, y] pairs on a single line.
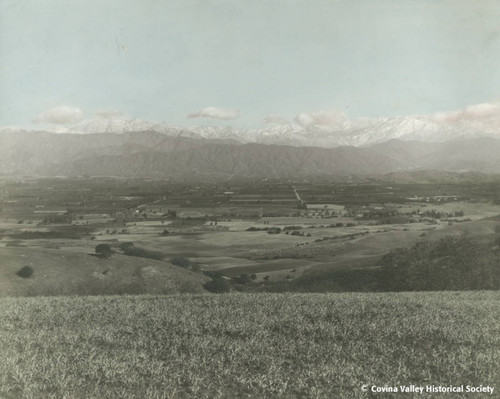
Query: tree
[[25, 272], [218, 286], [103, 250], [143, 253], [243, 278], [126, 245], [181, 262]]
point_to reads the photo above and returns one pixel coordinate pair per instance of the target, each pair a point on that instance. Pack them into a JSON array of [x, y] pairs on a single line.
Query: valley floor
[[248, 345]]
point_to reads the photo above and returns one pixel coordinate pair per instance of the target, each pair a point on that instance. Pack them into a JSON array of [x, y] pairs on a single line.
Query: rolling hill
[[58, 272]]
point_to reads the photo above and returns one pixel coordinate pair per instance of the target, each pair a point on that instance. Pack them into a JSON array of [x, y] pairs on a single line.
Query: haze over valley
[[249, 199]]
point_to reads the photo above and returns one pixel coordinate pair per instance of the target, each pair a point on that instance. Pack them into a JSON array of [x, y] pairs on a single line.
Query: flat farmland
[[234, 229]]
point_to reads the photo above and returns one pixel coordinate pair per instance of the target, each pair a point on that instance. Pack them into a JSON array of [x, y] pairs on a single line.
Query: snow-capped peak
[[323, 129]]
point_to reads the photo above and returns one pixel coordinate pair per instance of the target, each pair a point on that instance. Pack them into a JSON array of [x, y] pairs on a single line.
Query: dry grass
[[59, 272], [246, 346]]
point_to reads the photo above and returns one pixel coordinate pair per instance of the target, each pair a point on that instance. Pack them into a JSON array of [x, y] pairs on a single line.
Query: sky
[[244, 63]]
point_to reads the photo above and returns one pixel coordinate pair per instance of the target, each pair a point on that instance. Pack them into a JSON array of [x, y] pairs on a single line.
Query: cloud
[[330, 118], [276, 119], [473, 113], [216, 113], [60, 115], [110, 114], [484, 110]]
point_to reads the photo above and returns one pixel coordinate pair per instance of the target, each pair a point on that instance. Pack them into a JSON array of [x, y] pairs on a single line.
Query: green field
[[247, 345]]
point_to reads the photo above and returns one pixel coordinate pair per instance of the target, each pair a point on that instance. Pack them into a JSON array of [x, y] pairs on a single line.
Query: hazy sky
[[235, 62]]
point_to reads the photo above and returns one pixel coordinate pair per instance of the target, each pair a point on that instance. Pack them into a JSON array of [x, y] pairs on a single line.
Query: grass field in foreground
[[247, 345]]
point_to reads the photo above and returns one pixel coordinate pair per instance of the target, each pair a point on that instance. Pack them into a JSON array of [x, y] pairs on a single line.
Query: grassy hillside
[[58, 272], [247, 346]]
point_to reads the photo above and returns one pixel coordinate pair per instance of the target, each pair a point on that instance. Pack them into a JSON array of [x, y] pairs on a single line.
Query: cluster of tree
[[432, 213], [116, 231], [244, 278], [132, 250], [278, 230], [170, 214], [451, 263], [400, 219], [105, 250], [292, 228], [219, 283], [55, 218], [270, 230], [377, 213], [298, 233]]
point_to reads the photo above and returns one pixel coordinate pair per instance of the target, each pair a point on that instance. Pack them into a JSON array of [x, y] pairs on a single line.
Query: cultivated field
[[255, 228], [247, 345]]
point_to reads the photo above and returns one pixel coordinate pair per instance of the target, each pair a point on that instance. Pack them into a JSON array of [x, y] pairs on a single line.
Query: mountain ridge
[[359, 132], [153, 154]]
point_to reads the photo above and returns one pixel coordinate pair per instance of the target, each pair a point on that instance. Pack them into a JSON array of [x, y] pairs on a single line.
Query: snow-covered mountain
[[360, 132], [150, 153]]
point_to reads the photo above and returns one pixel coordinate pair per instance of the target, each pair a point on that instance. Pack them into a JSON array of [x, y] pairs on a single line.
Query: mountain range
[[359, 132], [187, 154]]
